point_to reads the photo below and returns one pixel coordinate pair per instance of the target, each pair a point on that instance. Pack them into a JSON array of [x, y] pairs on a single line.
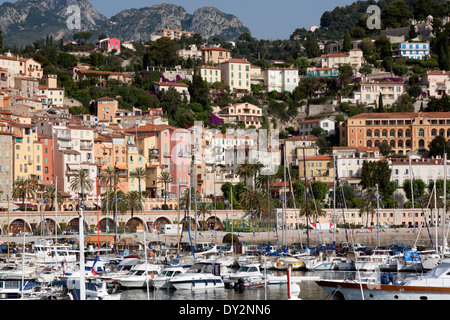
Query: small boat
[[434, 285], [11, 289], [162, 280], [95, 290], [46, 251], [123, 267], [248, 276], [281, 265], [373, 262], [200, 276], [138, 276]]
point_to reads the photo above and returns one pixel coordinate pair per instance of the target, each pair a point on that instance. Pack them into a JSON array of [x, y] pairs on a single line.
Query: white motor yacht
[[162, 280], [200, 276], [138, 276], [434, 285]]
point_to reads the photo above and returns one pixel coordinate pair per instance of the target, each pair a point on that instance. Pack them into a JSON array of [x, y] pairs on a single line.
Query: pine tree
[[347, 46], [312, 48], [380, 103]]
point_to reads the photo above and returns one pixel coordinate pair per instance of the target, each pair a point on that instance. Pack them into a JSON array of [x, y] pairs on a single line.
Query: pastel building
[[215, 55], [437, 82], [209, 74], [236, 75], [403, 131], [389, 90], [281, 79]]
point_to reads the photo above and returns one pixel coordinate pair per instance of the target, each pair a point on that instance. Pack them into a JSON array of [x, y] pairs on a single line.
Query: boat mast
[[444, 210], [378, 217], [412, 195], [435, 213]]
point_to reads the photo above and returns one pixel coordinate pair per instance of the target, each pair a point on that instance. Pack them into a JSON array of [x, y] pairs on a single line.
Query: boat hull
[[197, 284], [355, 291]]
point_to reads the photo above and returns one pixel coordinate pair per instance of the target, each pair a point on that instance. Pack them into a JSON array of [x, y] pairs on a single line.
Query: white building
[[425, 169], [328, 126], [414, 50], [349, 161], [281, 79]]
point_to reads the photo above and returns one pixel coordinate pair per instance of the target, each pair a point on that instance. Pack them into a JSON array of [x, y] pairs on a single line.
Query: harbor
[[257, 267]]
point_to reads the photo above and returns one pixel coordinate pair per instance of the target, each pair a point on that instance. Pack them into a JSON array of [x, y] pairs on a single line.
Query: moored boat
[[434, 285]]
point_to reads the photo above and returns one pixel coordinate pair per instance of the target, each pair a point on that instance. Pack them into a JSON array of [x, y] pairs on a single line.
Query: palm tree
[[110, 176], [82, 182], [50, 193], [21, 189], [256, 169], [165, 178], [140, 174], [245, 170], [254, 201], [367, 205], [203, 210], [134, 201]]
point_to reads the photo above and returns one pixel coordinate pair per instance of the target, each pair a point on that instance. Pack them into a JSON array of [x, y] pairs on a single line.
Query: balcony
[[86, 146]]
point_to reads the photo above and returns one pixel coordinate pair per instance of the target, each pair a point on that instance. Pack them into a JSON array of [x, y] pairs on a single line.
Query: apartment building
[[328, 126], [281, 79], [404, 131], [180, 87], [414, 50], [349, 161], [246, 113], [54, 96], [236, 75], [354, 58], [106, 109], [389, 90], [437, 82], [215, 55], [173, 34], [296, 145], [318, 168], [27, 150], [209, 74], [6, 163]]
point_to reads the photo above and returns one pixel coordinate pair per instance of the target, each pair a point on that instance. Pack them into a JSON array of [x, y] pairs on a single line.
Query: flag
[[94, 266]]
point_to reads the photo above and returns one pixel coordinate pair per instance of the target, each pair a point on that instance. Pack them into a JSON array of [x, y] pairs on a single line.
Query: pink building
[[110, 44], [438, 83]]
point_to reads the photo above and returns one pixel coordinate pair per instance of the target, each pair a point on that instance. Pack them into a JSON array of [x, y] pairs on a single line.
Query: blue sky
[[267, 19]]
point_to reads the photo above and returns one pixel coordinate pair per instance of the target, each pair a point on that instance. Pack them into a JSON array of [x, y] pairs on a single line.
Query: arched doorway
[[190, 221], [159, 221], [48, 226], [19, 226], [74, 225], [107, 225], [135, 224], [213, 226]]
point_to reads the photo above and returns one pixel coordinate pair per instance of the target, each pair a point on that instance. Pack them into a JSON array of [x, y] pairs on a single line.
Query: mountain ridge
[[26, 21]]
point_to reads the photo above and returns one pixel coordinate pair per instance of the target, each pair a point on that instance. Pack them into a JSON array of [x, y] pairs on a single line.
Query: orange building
[[404, 131]]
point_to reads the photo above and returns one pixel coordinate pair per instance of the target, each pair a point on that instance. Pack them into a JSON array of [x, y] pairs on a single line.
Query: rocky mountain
[[138, 24], [25, 21]]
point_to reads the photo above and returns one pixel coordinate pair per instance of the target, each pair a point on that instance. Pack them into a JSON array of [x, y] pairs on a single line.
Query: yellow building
[[318, 168], [149, 156], [209, 74], [215, 55], [27, 151]]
